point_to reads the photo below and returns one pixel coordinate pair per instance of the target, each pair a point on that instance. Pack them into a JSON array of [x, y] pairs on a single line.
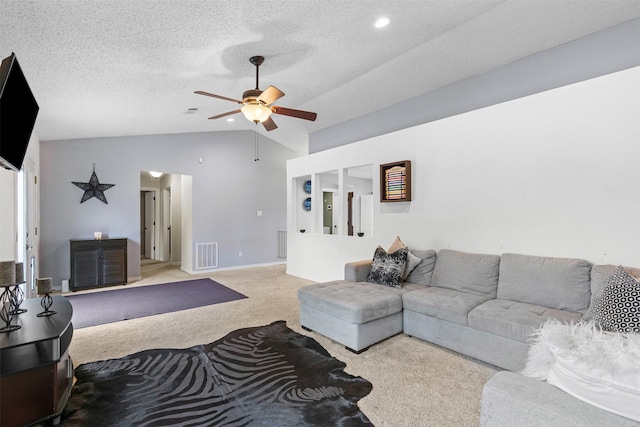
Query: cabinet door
[[86, 270], [113, 270], [27, 396]]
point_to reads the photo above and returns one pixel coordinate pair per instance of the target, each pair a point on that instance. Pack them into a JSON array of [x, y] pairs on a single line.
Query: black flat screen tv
[[18, 112]]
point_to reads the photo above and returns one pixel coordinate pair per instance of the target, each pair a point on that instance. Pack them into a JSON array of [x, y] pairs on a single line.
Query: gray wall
[[229, 187], [614, 49]]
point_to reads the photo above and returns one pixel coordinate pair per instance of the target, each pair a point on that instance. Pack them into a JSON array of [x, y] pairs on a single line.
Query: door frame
[[28, 223]]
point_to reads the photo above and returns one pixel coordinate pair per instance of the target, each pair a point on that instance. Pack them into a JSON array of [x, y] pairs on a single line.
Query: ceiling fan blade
[[307, 115], [270, 95], [224, 114], [199, 92], [269, 124]]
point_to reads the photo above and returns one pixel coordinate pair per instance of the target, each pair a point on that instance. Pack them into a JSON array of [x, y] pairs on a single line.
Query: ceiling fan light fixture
[[256, 113], [155, 174]]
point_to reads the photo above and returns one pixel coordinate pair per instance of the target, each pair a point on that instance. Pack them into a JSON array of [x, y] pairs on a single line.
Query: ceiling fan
[[257, 104]]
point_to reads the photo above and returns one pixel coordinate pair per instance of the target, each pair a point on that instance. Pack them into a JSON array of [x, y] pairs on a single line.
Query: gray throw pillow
[[412, 263], [387, 269], [617, 307]]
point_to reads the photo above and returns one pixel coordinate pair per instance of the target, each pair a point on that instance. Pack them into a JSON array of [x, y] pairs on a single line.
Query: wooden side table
[[36, 371]]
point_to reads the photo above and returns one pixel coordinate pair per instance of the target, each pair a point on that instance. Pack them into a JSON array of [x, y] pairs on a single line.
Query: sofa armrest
[[357, 271]]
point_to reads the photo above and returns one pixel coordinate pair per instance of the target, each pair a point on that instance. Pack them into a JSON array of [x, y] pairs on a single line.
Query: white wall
[[553, 174]]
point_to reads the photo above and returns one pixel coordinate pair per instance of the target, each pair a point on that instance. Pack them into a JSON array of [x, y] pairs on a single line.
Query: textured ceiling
[[125, 67]]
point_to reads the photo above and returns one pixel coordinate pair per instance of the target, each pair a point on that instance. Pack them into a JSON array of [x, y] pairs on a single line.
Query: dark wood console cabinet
[[97, 263], [36, 372]]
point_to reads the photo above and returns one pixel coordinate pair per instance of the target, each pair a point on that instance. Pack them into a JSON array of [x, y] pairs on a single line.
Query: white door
[[166, 224], [31, 221], [149, 225]]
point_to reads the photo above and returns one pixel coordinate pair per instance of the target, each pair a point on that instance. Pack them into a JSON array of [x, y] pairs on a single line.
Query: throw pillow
[[617, 307], [397, 244], [412, 260], [599, 367], [387, 269]]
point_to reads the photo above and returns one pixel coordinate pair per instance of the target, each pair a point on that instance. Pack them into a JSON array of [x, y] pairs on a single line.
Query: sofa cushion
[[387, 268], [422, 273], [352, 302], [515, 320], [441, 303], [616, 308], [467, 272], [561, 283]]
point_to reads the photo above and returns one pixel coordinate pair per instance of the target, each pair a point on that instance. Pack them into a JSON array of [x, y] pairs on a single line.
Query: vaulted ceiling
[[123, 67]]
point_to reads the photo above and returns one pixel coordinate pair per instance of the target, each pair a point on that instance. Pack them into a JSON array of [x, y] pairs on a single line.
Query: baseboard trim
[[235, 267]]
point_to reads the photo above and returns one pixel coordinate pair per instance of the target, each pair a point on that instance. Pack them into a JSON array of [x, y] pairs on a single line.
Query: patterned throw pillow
[[617, 306], [386, 269], [412, 260]]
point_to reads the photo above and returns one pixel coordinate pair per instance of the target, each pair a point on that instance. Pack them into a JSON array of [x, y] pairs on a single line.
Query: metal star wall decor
[[93, 188]]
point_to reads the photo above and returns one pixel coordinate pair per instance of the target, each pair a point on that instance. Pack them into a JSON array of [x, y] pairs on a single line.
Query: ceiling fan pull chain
[[256, 157]]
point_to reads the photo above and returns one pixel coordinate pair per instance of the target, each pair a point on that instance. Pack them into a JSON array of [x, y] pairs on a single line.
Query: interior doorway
[[148, 223], [165, 212]]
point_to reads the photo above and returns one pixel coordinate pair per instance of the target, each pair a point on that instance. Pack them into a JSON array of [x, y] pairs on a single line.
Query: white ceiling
[[130, 67]]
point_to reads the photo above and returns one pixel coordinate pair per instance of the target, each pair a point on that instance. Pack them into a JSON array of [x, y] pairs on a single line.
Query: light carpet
[[415, 383]]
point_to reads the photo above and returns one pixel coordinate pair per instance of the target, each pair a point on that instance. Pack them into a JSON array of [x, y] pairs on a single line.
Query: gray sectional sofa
[[483, 306]]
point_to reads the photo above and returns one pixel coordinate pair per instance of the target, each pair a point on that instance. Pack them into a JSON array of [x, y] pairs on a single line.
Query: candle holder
[[17, 294], [46, 302], [44, 288], [6, 309]]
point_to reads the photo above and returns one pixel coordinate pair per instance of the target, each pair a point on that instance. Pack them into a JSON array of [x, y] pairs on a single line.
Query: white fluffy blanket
[[602, 368]]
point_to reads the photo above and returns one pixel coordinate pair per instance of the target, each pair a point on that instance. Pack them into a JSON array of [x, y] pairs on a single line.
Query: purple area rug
[[111, 306]]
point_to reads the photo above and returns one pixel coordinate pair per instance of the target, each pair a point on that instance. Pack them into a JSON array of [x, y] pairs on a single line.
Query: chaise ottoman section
[[356, 315]]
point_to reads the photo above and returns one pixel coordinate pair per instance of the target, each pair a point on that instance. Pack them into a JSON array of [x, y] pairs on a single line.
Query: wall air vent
[[282, 243], [206, 255]]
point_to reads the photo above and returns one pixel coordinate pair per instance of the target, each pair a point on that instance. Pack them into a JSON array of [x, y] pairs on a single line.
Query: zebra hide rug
[[266, 376]]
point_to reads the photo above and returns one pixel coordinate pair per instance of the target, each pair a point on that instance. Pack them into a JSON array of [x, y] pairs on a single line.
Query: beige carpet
[[414, 383]]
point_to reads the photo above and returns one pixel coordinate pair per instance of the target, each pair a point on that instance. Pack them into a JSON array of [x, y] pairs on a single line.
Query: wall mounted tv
[[18, 112]]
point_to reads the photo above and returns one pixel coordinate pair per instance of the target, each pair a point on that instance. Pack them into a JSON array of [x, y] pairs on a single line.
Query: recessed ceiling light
[[382, 22], [231, 119]]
